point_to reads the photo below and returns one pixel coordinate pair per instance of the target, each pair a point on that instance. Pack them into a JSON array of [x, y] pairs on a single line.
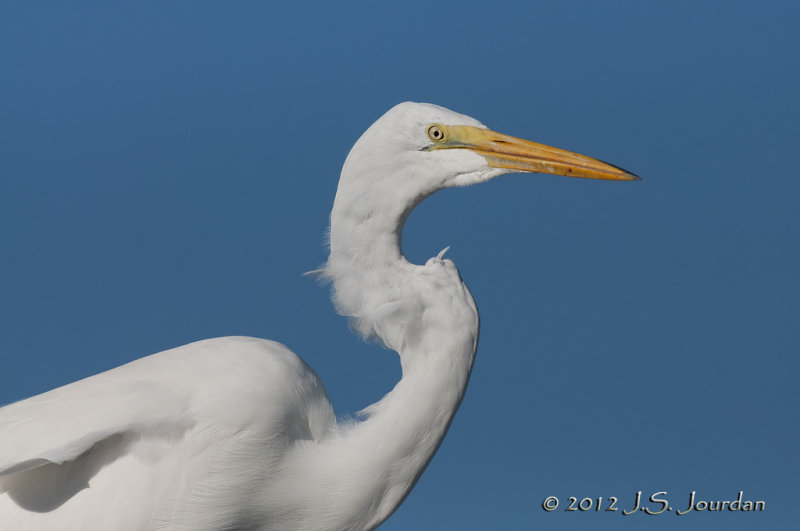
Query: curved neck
[[360, 475]]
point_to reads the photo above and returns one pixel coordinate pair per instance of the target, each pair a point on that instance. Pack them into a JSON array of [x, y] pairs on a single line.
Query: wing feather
[[62, 424]]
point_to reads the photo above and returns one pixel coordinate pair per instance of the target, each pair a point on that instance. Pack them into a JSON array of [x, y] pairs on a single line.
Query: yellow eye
[[436, 132]]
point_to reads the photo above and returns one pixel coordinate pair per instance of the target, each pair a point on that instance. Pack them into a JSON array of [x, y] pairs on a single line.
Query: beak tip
[[626, 175]]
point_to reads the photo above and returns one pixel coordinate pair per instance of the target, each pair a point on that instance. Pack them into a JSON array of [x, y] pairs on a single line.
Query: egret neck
[[424, 313]]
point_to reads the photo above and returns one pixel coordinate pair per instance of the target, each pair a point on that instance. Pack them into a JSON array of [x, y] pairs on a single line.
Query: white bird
[[237, 433]]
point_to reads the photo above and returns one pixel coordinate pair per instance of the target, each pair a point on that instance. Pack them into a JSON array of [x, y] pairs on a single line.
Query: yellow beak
[[508, 152]]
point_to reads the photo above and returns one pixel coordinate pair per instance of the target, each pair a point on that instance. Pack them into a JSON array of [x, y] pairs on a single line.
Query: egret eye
[[436, 133]]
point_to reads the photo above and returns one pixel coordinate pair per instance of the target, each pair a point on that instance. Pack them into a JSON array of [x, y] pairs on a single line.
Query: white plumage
[[237, 433]]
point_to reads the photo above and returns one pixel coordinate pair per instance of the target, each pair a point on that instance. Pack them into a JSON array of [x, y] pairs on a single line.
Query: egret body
[[237, 433]]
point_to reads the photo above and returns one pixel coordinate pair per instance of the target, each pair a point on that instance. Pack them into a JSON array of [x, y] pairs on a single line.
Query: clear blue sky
[[167, 169]]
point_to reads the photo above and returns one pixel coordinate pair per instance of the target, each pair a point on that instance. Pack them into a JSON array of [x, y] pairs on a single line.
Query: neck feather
[[367, 267]]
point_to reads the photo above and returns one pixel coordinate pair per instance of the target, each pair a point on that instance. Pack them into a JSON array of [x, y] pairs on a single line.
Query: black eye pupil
[[435, 133]]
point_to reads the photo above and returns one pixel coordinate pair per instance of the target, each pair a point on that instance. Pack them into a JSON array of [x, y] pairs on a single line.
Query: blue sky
[[167, 170]]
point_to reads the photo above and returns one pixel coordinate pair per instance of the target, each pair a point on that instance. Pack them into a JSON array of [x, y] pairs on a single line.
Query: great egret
[[237, 433]]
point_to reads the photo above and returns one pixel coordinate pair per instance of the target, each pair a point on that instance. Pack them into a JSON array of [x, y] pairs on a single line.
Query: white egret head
[[423, 148]]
